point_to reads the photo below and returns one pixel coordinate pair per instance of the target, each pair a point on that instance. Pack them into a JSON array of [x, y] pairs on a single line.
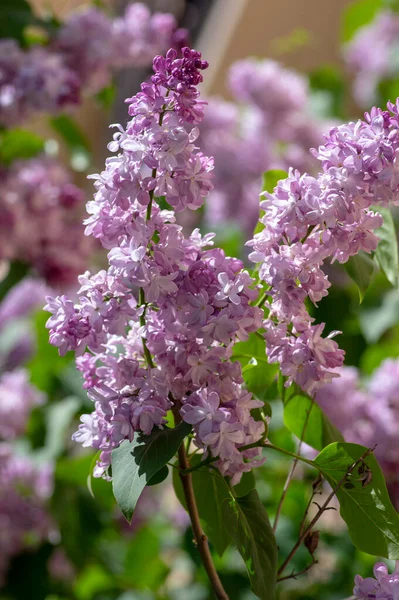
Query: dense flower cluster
[[40, 220], [309, 220], [24, 492], [83, 54], [160, 322], [269, 126], [368, 414], [383, 587], [372, 56]]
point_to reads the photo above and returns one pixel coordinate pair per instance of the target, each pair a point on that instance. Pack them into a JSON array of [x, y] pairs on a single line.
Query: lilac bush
[[160, 335]]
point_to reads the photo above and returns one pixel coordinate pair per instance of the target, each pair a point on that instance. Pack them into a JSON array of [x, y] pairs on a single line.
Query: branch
[[291, 472], [200, 537], [322, 509], [296, 575]]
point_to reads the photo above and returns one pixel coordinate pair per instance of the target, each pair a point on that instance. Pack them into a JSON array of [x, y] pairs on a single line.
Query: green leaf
[[375, 321], [159, 476], [387, 249], [358, 14], [14, 17], [328, 79], [58, 419], [246, 485], [248, 524], [46, 364], [271, 178], [372, 521], [19, 144], [106, 96], [360, 269], [75, 140], [258, 374], [134, 463], [319, 431], [210, 492], [16, 272]]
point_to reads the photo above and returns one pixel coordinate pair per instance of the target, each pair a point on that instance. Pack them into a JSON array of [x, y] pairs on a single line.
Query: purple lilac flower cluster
[[368, 414], [18, 397], [24, 492], [159, 324], [83, 54], [40, 220], [268, 126], [24, 486], [382, 586], [372, 56], [309, 220]]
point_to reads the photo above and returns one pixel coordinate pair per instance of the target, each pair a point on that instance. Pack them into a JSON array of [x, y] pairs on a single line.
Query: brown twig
[[299, 573], [316, 490], [200, 537], [321, 510]]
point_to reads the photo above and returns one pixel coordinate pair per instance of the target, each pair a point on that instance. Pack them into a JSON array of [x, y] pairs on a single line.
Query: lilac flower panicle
[[84, 53], [154, 332], [371, 56], [310, 220], [40, 220], [382, 587]]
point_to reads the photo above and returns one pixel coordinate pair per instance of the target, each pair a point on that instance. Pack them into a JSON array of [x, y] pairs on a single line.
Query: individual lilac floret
[[155, 331], [311, 220], [17, 398], [383, 587], [372, 56]]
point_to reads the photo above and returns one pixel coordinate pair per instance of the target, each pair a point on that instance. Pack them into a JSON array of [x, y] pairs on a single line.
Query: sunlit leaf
[[135, 463], [372, 521]]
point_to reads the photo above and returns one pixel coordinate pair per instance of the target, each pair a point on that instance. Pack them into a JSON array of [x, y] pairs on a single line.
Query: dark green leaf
[[360, 269], [19, 143], [46, 364], [75, 140], [246, 485], [387, 250], [358, 14], [248, 524], [372, 521], [135, 463], [210, 492], [159, 476], [15, 15], [16, 273], [257, 372], [319, 431]]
